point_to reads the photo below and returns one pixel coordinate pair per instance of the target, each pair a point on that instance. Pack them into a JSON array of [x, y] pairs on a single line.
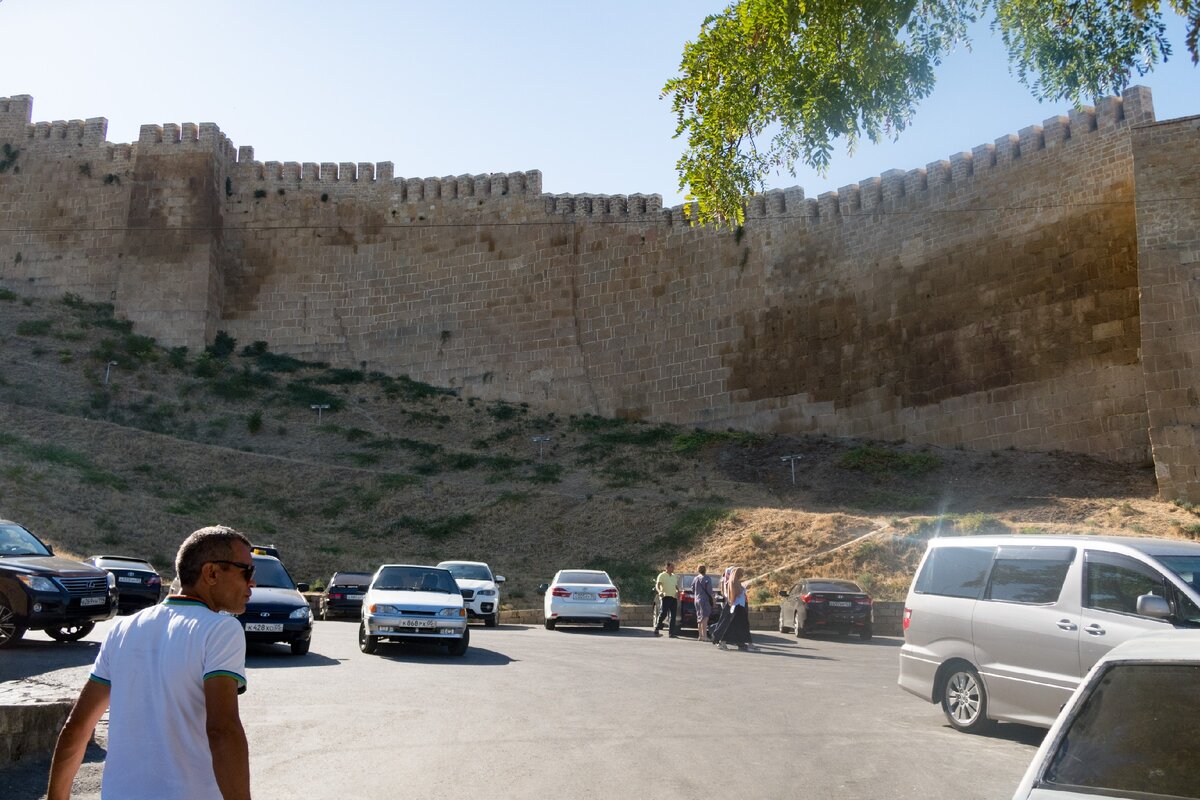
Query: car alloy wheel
[[964, 699], [70, 633], [782, 627], [10, 629]]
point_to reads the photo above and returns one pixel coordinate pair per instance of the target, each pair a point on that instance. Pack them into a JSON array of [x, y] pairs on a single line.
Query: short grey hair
[[213, 543]]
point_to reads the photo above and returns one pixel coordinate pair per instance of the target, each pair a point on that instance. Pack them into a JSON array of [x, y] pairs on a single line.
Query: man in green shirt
[[667, 586]]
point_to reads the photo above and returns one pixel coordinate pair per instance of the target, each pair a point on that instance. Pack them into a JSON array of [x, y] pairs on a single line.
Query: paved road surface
[[579, 713]]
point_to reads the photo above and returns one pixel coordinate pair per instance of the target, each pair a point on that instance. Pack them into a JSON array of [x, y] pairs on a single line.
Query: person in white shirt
[[170, 677]]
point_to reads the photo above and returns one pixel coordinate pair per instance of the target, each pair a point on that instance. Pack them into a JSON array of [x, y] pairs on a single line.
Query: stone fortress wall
[[989, 300]]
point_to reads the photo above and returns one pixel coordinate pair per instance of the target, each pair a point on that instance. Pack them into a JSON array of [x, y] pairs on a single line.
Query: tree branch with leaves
[[768, 84]]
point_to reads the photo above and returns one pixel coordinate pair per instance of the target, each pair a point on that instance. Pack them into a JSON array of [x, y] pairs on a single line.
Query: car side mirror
[[1151, 605], [543, 588], [302, 587], [782, 593], [499, 579]]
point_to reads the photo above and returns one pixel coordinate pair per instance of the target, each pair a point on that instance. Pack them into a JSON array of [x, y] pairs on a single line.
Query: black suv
[[43, 592]]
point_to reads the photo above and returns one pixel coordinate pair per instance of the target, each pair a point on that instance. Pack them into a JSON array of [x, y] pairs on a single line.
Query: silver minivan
[[1005, 627]]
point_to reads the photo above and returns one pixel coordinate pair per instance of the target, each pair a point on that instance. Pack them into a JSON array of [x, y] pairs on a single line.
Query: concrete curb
[[30, 731]]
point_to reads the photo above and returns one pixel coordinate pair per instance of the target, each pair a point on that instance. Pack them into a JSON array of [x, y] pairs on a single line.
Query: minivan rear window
[[1031, 575], [955, 571]]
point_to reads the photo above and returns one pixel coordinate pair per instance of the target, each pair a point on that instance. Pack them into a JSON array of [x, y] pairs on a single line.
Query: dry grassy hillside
[[396, 470]]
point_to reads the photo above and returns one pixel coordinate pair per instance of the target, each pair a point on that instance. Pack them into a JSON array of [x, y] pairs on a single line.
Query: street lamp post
[[541, 441], [108, 368], [319, 407], [792, 460]]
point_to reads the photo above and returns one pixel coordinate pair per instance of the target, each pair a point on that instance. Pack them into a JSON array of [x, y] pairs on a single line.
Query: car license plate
[[129, 580], [584, 596], [354, 597], [92, 601], [417, 623], [264, 627], [840, 603]]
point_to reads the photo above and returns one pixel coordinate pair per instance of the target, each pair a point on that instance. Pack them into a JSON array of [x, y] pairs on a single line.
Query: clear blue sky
[[445, 88]]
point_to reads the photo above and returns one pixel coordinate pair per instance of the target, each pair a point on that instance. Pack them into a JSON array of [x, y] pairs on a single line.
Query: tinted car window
[[1135, 735], [584, 577], [270, 574], [1031, 575], [415, 579], [955, 571], [1186, 567], [16, 541], [1114, 583], [470, 572], [833, 586]]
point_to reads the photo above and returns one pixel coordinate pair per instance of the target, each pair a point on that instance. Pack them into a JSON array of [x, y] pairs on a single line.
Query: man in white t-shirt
[[171, 675]]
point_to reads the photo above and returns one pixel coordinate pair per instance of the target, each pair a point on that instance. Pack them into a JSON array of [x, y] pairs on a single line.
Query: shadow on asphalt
[[28, 779], [421, 653], [271, 656], [1009, 732], [30, 657]]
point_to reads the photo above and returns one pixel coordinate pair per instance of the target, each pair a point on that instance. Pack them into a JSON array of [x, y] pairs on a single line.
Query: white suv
[[480, 589]]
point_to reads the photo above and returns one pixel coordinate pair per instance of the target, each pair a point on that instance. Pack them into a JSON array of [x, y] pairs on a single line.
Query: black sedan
[[138, 582], [343, 597], [277, 611], [826, 605], [686, 614]]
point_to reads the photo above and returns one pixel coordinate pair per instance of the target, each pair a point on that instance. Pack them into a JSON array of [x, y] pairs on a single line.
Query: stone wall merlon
[[496, 184], [91, 131], [594, 205], [18, 109]]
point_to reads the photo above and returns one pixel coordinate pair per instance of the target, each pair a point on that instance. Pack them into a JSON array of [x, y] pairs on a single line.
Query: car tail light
[[335, 596], [686, 595], [812, 598], [558, 591], [907, 618], [863, 601], [154, 580], [608, 594]]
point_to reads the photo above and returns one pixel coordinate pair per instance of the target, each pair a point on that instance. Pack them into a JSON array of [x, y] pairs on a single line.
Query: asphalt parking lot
[[579, 713]]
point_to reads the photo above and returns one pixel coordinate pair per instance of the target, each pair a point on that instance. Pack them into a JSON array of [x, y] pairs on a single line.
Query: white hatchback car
[[480, 589], [1129, 730], [585, 596], [408, 603]]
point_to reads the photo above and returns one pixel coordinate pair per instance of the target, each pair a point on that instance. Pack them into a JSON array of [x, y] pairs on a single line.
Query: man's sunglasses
[[247, 569]]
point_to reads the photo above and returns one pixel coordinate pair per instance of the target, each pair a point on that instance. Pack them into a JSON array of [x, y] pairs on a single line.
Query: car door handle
[[1067, 625], [1094, 630]]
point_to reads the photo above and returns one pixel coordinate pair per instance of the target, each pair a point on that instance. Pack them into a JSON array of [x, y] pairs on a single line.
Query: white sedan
[[414, 604], [1129, 731], [584, 596]]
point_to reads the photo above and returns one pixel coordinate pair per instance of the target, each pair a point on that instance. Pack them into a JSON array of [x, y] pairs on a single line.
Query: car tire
[[70, 633], [866, 633], [797, 628], [367, 643], [491, 620], [612, 625], [300, 646], [459, 648], [325, 615], [964, 699], [11, 630], [549, 624]]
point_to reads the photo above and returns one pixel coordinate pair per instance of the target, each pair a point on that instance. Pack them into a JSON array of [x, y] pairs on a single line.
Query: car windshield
[[579, 576], [350, 579], [833, 586], [415, 579], [270, 574], [16, 541], [123, 563], [469, 572], [1186, 567], [1134, 735]]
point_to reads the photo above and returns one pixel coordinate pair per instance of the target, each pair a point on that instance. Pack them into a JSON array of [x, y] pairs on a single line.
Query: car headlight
[[300, 613], [486, 593], [41, 584], [452, 612], [381, 609]]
